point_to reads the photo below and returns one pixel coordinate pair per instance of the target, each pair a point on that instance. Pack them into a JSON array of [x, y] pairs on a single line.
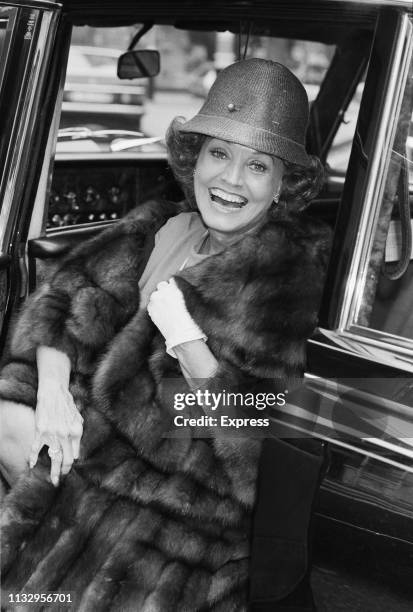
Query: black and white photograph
[[206, 305]]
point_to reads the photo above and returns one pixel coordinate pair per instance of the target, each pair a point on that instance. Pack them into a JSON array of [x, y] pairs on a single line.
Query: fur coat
[[145, 521]]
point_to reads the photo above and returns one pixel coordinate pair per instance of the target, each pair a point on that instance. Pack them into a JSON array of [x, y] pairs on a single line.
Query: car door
[[358, 390], [28, 85]]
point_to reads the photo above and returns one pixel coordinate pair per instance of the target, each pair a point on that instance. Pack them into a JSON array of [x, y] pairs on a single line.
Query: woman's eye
[[258, 166], [218, 153]]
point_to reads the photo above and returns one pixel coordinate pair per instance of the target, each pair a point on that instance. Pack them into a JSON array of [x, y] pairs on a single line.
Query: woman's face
[[235, 185]]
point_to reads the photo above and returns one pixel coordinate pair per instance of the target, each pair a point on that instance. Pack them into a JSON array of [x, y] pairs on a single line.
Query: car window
[[104, 116], [23, 48], [189, 64], [382, 302]]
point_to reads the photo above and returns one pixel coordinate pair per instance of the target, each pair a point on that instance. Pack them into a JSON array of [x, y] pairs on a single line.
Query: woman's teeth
[[230, 200]]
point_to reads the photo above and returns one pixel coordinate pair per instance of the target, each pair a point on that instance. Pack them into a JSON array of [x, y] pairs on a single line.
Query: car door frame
[[32, 81]]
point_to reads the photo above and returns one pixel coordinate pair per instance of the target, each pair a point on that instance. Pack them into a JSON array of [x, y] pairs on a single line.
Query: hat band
[[257, 138]]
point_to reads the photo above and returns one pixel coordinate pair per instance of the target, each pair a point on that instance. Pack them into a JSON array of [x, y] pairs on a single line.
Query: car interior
[[89, 192]]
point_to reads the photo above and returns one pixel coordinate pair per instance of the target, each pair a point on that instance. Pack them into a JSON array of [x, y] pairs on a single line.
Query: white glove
[[167, 310]]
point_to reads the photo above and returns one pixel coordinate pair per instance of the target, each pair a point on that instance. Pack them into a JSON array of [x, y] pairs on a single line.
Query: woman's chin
[[230, 220], [224, 218]]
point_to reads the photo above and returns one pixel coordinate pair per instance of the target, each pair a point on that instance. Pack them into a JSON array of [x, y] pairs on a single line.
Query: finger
[[35, 450], [75, 442], [76, 445], [67, 459], [56, 457]]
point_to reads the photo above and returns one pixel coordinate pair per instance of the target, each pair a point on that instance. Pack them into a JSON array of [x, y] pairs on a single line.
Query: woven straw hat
[[260, 104]]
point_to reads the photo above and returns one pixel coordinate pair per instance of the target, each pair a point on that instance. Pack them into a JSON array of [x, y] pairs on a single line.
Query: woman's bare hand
[[59, 425]]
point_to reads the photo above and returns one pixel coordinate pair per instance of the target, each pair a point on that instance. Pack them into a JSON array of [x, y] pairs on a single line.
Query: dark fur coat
[[146, 522]]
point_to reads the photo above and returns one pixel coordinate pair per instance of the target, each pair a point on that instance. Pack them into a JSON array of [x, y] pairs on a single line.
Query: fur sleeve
[[90, 297], [258, 302]]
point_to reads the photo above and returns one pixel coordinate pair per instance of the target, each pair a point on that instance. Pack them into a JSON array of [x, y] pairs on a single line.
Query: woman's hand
[[58, 423], [167, 310]]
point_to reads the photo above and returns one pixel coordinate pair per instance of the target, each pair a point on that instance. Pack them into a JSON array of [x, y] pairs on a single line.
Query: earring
[[277, 206]]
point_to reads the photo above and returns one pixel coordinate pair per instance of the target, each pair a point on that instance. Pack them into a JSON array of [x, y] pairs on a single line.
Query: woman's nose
[[232, 174]]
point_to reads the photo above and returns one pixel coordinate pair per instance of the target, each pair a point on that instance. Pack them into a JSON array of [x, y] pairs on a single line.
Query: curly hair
[[299, 185]]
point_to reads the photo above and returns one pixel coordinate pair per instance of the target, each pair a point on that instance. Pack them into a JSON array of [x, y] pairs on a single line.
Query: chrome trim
[[392, 407], [46, 5], [407, 4], [39, 213], [320, 424], [117, 88], [33, 77], [112, 157], [373, 3], [103, 108], [378, 168], [11, 20], [375, 347], [350, 447], [84, 228], [400, 344], [335, 347]]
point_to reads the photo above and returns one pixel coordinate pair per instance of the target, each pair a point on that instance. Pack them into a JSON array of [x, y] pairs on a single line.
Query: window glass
[[3, 28], [386, 304], [4, 39], [103, 115], [189, 64], [409, 150], [339, 153]]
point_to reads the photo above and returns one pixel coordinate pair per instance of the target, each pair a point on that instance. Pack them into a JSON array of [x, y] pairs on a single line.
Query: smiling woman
[[147, 519], [235, 186]]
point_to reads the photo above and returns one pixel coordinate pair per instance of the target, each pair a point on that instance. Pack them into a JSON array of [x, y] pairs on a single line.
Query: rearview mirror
[[138, 64]]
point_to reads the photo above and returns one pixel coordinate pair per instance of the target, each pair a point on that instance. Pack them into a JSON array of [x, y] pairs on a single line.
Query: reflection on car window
[[5, 23], [387, 304], [339, 153], [3, 28], [409, 150]]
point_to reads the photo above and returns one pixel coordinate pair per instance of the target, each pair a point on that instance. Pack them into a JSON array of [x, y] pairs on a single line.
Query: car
[[93, 94], [357, 395]]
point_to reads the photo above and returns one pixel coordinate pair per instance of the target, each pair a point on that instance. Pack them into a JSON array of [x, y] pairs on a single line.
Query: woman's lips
[[228, 200]]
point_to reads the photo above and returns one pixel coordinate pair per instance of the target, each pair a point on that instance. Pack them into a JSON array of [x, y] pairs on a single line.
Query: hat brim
[[249, 136]]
